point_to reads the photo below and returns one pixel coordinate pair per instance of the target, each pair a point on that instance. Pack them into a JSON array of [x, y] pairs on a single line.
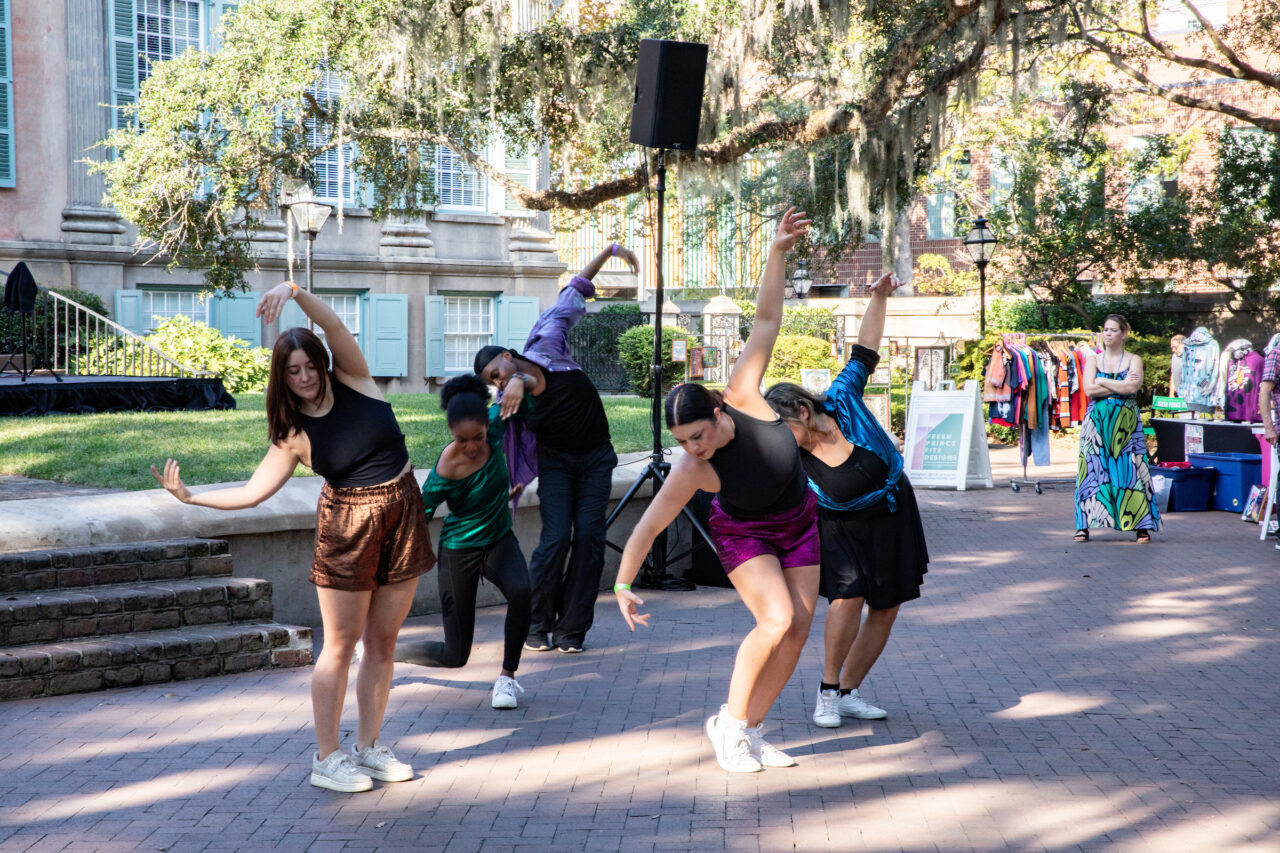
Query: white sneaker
[[825, 712], [338, 772], [733, 751], [854, 705], [379, 762], [504, 692], [764, 752]]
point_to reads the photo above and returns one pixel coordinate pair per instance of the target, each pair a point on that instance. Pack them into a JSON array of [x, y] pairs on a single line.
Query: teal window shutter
[[129, 311], [235, 316], [8, 169], [218, 10], [123, 57], [434, 311], [516, 316], [385, 338]]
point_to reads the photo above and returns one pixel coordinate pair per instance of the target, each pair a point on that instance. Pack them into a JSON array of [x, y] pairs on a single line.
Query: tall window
[[166, 28], [1000, 177], [158, 305], [347, 307], [940, 216], [332, 179], [468, 326], [457, 184], [1144, 189]]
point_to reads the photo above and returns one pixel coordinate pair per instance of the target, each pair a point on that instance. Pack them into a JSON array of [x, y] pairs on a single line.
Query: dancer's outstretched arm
[[743, 390], [687, 476], [871, 332], [272, 472]]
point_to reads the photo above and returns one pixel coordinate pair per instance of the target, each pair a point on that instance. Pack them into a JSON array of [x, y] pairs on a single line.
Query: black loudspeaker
[[668, 102]]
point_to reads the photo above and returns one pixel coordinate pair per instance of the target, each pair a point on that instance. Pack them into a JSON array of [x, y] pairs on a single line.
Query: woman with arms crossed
[[372, 542], [763, 522], [873, 547], [1113, 482], [476, 540]]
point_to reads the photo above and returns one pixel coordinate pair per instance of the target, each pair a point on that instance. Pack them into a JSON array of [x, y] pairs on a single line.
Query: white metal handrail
[[94, 345]]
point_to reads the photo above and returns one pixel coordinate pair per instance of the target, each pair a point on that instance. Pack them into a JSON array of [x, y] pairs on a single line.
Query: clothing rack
[[1016, 483]]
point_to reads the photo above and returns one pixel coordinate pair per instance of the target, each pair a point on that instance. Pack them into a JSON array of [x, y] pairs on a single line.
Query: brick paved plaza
[[1042, 695]]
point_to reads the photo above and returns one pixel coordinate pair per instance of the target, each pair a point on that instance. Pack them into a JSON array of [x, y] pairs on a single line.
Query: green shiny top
[[479, 506]]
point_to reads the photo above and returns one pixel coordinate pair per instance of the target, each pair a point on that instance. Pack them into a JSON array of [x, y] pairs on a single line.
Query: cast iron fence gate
[[593, 343]]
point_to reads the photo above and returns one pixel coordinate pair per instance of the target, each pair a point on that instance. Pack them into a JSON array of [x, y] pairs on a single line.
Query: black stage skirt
[[874, 553]]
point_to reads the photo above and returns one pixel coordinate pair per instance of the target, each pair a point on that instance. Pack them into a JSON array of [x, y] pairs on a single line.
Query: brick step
[[125, 660], [68, 568], [80, 612]]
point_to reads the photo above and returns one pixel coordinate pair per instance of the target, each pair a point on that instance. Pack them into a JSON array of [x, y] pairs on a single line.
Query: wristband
[[614, 250], [294, 291], [619, 587]]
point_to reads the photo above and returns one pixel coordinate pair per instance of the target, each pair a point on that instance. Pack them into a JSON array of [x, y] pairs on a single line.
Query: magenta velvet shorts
[[791, 536]]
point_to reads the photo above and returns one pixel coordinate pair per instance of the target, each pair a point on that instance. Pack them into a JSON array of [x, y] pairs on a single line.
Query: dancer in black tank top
[[763, 522], [372, 542]]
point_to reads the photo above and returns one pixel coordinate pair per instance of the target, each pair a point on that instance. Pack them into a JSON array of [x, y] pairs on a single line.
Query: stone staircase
[[84, 619]]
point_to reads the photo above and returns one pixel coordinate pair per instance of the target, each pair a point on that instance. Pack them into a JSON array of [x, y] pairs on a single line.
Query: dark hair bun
[[467, 383]]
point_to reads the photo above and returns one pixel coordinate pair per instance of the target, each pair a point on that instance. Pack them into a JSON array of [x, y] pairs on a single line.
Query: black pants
[[458, 575], [574, 491]]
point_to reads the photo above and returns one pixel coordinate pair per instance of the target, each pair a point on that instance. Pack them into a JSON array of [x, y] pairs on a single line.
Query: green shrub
[[796, 320], [50, 327], [635, 348], [242, 367], [793, 353], [1023, 314]]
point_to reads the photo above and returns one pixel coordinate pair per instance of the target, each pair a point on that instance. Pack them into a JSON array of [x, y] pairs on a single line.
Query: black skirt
[[875, 553]]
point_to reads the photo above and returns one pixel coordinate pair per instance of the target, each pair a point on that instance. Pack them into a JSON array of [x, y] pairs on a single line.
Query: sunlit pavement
[[1041, 695]]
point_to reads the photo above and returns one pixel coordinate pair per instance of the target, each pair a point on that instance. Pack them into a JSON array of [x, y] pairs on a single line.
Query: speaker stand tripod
[[654, 573]]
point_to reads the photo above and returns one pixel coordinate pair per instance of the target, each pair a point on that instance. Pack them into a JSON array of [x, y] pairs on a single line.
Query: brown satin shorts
[[371, 536]]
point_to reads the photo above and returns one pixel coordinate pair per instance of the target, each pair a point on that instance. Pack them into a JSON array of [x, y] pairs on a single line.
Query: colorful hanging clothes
[[1199, 382], [1113, 482]]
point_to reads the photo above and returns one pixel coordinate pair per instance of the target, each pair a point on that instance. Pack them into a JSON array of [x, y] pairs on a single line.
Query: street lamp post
[[309, 215], [981, 244], [800, 280]]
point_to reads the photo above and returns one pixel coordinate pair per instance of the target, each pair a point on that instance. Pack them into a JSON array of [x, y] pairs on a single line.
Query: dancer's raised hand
[[791, 228], [885, 285]]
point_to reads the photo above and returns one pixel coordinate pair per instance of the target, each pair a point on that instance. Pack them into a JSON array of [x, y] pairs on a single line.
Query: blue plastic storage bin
[[1237, 473], [1191, 489]]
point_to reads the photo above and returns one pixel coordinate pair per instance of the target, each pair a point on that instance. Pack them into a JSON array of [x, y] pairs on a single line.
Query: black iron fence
[[594, 345]]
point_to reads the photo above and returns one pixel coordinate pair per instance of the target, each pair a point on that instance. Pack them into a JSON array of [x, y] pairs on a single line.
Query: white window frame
[[1144, 190], [147, 11], [348, 305], [327, 91], [461, 344], [453, 175], [173, 305]]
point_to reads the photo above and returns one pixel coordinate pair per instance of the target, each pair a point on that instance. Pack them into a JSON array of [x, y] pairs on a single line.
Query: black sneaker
[[537, 643], [570, 648]]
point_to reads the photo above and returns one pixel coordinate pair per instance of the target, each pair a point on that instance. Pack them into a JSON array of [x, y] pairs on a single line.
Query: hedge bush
[[49, 328], [635, 348], [243, 367], [793, 353], [796, 320], [1023, 314]]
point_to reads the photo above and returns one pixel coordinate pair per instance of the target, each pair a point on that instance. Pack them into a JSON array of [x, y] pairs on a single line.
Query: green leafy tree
[[854, 108], [635, 349]]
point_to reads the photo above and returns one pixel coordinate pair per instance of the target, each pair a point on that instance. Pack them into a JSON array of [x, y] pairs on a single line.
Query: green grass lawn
[[117, 450]]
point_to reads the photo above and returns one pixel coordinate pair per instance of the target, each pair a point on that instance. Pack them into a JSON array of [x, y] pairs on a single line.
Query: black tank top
[[760, 470], [358, 443]]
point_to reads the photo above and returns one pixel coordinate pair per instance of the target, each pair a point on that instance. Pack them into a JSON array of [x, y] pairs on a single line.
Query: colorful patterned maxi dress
[[1113, 484]]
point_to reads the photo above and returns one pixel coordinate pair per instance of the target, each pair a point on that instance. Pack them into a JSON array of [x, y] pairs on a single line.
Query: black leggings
[[458, 575]]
